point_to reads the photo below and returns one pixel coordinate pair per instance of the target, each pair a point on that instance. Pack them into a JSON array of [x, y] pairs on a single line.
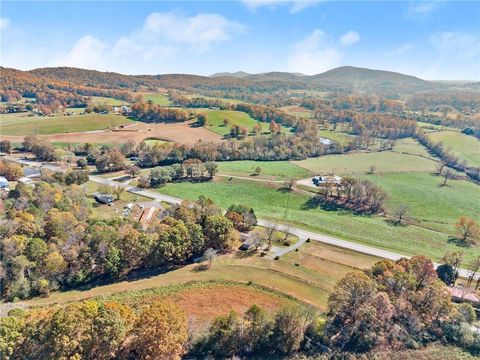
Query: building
[[329, 179], [104, 198], [326, 141], [4, 184], [147, 215]]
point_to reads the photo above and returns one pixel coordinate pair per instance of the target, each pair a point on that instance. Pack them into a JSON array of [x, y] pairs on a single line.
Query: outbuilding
[[104, 198], [4, 184]]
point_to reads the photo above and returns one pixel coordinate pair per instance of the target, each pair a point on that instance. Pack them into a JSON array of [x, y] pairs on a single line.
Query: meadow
[[269, 201], [215, 121], [35, 125], [101, 100], [270, 170], [465, 147], [156, 98]]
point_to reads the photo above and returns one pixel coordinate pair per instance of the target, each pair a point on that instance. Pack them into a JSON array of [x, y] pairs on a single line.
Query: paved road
[[302, 234]]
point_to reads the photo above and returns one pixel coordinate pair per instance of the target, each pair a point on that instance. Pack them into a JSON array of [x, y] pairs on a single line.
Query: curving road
[[302, 234]]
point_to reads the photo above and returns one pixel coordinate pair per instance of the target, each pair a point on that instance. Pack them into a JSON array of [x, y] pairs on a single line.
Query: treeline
[[447, 157], [397, 306], [258, 112], [148, 112], [462, 100], [49, 240], [361, 196]]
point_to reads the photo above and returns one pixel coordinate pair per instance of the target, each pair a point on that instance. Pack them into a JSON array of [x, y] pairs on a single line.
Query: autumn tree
[[159, 333], [468, 230]]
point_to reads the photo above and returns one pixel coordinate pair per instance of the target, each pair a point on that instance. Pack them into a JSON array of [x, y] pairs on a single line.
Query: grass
[[271, 170], [465, 147], [27, 125], [269, 202], [215, 121], [158, 99], [359, 163], [278, 237], [101, 100], [337, 136], [433, 206]]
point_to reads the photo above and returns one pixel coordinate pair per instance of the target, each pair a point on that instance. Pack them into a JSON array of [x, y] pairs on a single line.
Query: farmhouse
[[322, 179]]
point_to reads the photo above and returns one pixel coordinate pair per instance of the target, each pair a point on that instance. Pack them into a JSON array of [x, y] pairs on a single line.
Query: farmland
[[270, 170], [33, 125], [215, 121], [159, 99], [269, 202]]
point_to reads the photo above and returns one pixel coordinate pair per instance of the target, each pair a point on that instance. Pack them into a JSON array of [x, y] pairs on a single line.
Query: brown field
[[182, 133]]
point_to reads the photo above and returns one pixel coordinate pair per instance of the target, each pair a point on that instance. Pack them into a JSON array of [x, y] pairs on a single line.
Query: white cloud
[[400, 50], [88, 52], [424, 7], [160, 36], [295, 6], [314, 54], [456, 54], [4, 23], [350, 38]]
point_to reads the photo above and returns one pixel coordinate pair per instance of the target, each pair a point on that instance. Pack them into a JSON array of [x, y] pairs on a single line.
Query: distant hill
[[238, 74], [345, 78]]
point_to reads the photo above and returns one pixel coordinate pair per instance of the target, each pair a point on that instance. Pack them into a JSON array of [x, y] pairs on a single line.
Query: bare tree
[[118, 190], [209, 255], [256, 240], [439, 168], [269, 233], [475, 267], [371, 169], [133, 170], [467, 230], [454, 259], [401, 213], [447, 174]]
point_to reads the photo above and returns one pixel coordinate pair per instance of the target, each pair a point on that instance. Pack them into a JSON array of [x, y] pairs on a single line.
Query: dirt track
[[182, 133]]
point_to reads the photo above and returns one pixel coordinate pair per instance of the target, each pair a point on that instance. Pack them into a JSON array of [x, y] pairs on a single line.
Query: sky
[[429, 39]]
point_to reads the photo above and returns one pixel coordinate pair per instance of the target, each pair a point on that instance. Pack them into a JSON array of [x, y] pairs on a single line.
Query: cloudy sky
[[429, 39]]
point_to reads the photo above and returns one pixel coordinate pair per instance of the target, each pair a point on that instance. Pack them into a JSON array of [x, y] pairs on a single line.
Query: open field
[[215, 121], [359, 163], [182, 133], [36, 125], [298, 111], [271, 170], [433, 206], [269, 202], [337, 136], [158, 99], [101, 100], [465, 147]]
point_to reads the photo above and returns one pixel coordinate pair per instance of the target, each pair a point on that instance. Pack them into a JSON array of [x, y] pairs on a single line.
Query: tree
[[5, 146], [201, 119], [160, 333], [474, 267], [468, 230], [224, 340], [288, 330], [447, 274], [218, 231], [371, 169], [401, 213], [256, 330], [212, 168], [10, 171], [467, 312], [225, 122], [270, 231], [118, 191], [274, 127], [447, 174], [258, 170], [133, 170], [82, 163], [209, 255]]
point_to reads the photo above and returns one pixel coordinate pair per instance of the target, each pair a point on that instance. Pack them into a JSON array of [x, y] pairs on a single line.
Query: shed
[[104, 198]]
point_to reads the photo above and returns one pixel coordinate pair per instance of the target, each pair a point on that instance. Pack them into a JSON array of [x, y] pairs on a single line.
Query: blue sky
[[429, 39]]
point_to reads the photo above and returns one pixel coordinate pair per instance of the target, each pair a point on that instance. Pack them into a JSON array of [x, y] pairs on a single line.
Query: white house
[[330, 179]]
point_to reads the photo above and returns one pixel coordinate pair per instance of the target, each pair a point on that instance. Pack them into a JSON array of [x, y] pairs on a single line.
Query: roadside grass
[[269, 202], [432, 206], [360, 162], [278, 237], [156, 98], [271, 170], [27, 125], [465, 147]]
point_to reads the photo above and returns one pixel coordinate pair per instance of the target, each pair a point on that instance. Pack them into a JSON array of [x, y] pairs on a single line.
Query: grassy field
[[337, 136], [433, 206], [360, 162], [27, 125], [271, 170], [215, 121], [269, 202], [101, 100], [158, 99], [463, 146]]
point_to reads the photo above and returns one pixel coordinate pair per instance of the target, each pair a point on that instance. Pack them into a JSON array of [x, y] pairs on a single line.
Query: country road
[[302, 234]]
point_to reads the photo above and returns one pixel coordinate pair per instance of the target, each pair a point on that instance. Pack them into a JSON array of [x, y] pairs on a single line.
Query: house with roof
[[4, 184]]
